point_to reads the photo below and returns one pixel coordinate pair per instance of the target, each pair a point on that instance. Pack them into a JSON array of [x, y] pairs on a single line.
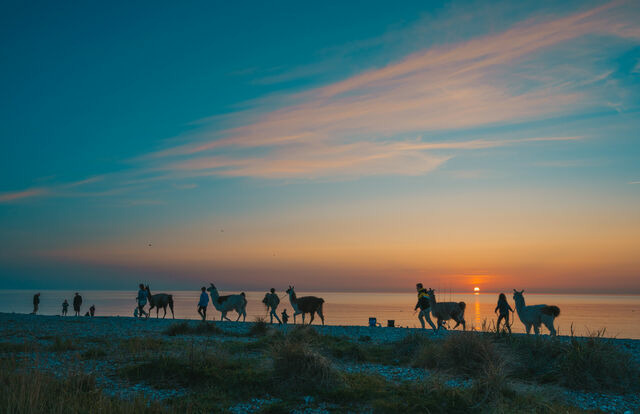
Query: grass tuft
[[25, 391], [296, 364], [595, 364], [62, 345], [259, 327], [185, 328]]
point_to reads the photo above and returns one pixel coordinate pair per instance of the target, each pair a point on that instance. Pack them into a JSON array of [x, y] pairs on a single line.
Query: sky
[[357, 146]]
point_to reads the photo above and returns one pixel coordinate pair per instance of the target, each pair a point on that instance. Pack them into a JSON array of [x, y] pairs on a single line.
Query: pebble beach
[[42, 331]]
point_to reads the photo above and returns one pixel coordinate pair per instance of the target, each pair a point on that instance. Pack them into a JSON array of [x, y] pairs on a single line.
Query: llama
[[443, 311], [160, 300], [306, 304], [535, 314], [227, 303]]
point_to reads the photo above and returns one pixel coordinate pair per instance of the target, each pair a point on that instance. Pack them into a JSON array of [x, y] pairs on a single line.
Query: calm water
[[619, 314]]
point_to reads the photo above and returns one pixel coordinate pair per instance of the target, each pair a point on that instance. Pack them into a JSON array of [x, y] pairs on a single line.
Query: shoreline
[[378, 333]]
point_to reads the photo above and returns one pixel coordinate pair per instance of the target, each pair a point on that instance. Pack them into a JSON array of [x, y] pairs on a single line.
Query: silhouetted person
[[285, 317], [92, 310], [504, 308], [36, 303], [65, 307], [423, 304], [142, 301], [272, 301], [77, 303], [202, 304]]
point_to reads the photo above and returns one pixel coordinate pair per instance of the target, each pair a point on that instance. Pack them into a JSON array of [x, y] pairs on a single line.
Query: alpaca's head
[[518, 297], [431, 293], [211, 288], [290, 290]]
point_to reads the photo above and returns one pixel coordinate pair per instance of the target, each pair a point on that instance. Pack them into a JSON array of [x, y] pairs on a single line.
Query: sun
[[476, 289]]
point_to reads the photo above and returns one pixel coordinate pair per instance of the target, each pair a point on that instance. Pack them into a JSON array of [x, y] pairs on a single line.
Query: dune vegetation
[[203, 367]]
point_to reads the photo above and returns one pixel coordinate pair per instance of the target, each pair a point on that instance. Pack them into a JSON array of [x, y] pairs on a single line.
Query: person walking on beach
[[36, 302], [92, 310], [65, 307], [271, 300], [142, 301], [423, 304], [77, 303], [504, 308], [285, 317], [202, 304]]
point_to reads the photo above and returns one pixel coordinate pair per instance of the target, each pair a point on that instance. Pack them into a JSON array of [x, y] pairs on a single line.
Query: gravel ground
[[21, 328]]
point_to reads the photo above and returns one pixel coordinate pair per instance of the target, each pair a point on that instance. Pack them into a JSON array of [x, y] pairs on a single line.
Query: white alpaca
[[535, 315], [227, 303], [443, 311]]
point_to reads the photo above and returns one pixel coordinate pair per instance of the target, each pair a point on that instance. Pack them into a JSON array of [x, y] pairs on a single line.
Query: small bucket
[[391, 323]]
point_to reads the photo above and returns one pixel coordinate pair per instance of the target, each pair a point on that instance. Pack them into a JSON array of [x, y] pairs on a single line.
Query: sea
[[609, 315]]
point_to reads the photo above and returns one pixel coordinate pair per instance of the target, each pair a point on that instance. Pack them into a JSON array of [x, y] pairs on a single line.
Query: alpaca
[[160, 300], [306, 304], [535, 314], [444, 311], [229, 302]]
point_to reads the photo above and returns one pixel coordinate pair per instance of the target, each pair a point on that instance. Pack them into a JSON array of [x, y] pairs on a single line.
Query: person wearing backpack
[[271, 301]]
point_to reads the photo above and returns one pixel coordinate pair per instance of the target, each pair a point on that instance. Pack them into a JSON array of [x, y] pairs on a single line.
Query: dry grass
[[297, 365], [186, 328], [465, 353], [62, 345], [25, 391], [259, 328]]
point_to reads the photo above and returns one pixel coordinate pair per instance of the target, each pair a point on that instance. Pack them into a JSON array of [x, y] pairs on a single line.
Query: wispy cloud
[[63, 189], [634, 182], [20, 195], [358, 126], [345, 160]]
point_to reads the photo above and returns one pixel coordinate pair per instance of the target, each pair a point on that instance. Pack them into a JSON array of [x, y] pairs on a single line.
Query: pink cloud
[[352, 127], [19, 195]]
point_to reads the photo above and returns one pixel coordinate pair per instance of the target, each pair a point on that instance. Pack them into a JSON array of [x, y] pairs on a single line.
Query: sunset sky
[[332, 145]]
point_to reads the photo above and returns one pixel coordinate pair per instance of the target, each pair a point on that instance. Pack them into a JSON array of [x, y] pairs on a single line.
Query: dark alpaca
[[160, 300], [306, 304]]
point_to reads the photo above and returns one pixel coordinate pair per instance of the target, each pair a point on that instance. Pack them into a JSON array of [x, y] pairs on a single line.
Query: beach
[[107, 348]]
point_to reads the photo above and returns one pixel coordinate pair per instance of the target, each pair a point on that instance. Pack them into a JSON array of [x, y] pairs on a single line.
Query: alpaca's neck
[[294, 300], [214, 298], [520, 305], [432, 300]]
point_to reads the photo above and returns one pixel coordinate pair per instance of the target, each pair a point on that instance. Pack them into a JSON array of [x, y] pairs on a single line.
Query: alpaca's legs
[[321, 315], [548, 322], [165, 312], [528, 326], [536, 329], [313, 313], [303, 318]]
